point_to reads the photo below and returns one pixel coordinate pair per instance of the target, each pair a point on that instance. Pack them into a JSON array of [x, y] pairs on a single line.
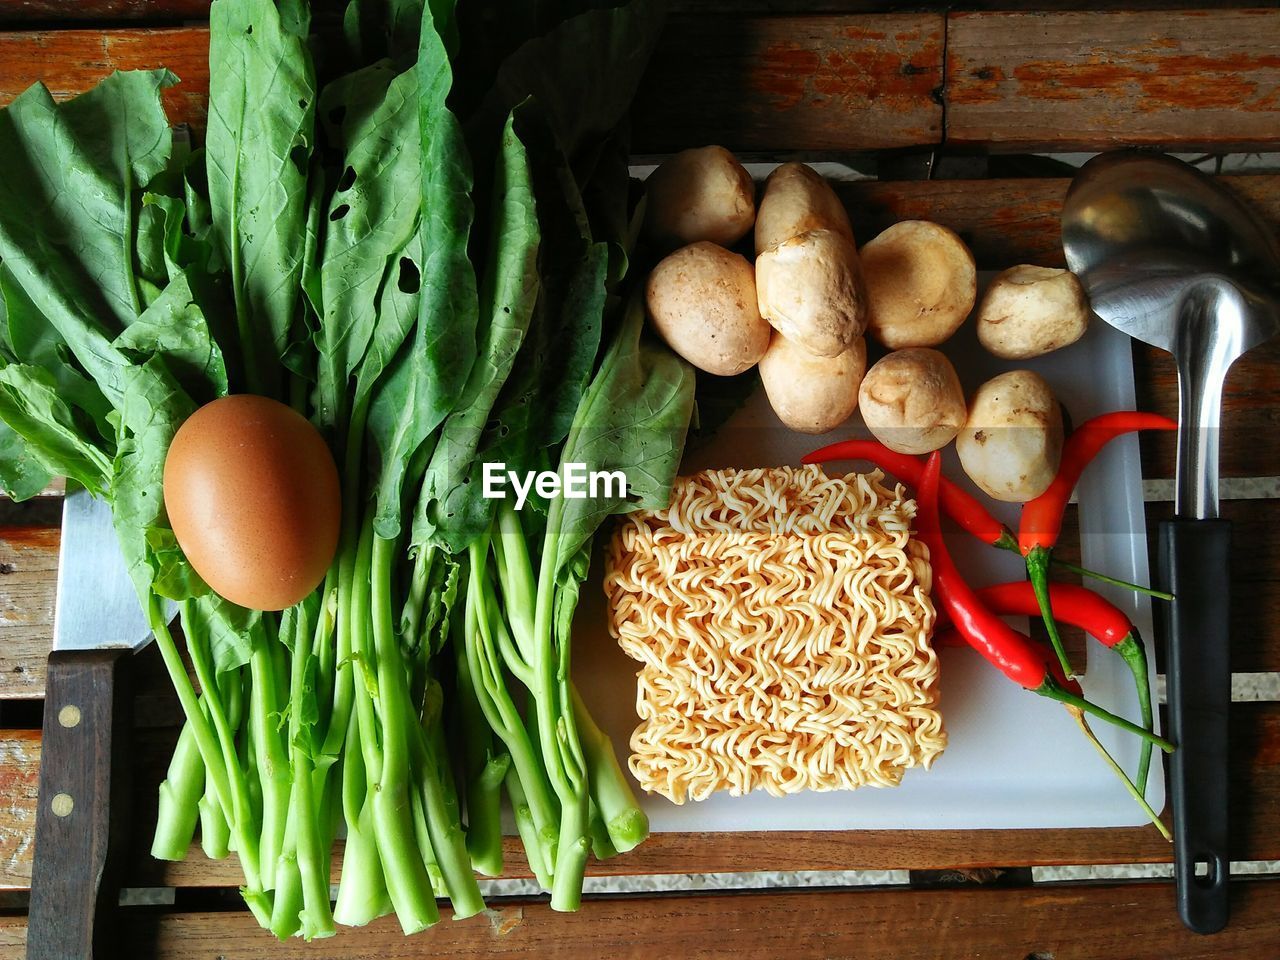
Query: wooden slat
[[1094, 922], [861, 82], [1255, 765], [1005, 222], [71, 61], [19, 783], [1035, 81], [28, 571], [18, 11]]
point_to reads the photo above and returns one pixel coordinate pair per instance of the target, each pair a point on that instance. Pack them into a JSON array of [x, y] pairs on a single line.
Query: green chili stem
[[1038, 572], [1119, 772], [1051, 689], [1134, 655]]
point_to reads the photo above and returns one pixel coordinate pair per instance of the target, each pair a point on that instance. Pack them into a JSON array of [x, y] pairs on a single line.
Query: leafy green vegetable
[[451, 511], [372, 217], [432, 293], [584, 71], [67, 172], [643, 438], [174, 325], [262, 94], [31, 407]]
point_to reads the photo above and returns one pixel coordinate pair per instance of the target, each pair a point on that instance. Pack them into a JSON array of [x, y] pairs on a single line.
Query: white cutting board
[[1013, 759]]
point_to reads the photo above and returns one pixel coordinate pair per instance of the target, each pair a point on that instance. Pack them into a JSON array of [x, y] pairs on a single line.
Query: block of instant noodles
[[781, 619]]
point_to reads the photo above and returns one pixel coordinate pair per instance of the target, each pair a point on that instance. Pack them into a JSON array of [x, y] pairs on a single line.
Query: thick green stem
[[484, 769], [530, 838], [316, 917], [407, 879], [362, 888], [626, 823], [228, 783], [1038, 573], [501, 713], [1134, 654], [445, 824], [557, 730], [215, 831], [602, 847], [180, 795], [269, 752]]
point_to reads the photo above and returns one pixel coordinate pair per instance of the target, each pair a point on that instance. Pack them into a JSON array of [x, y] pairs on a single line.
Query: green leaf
[[257, 147], [175, 326], [382, 28], [228, 630], [32, 339], [153, 408], [584, 71], [32, 408], [22, 476], [451, 511], [643, 437], [175, 578], [371, 218], [67, 175], [448, 311]]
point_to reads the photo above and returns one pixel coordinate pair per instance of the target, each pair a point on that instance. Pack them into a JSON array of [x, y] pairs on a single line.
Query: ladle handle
[[1194, 560]]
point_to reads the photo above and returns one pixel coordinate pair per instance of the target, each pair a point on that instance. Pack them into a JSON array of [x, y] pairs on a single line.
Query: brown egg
[[252, 495]]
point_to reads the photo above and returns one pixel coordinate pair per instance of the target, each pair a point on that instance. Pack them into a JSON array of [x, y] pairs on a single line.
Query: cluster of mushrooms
[[802, 309]]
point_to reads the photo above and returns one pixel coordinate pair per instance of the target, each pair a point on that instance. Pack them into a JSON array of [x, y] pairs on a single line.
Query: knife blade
[[84, 772]]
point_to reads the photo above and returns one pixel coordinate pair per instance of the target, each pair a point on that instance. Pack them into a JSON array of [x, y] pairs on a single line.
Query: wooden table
[[842, 79]]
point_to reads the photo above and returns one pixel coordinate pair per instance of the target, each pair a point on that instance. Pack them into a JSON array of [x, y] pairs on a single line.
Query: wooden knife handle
[[84, 779]]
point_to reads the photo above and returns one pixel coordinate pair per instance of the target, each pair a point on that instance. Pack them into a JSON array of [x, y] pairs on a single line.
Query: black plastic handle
[[84, 778], [1195, 560]]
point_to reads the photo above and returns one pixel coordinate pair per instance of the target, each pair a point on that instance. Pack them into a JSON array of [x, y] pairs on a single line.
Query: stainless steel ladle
[[1173, 259]]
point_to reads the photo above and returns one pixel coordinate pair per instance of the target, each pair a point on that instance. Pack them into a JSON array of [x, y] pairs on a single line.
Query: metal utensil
[[84, 769], [1171, 258]]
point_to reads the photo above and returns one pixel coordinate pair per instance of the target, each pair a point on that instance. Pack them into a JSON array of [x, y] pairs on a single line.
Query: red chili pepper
[[959, 505], [964, 509], [1011, 652], [1042, 517], [1096, 615]]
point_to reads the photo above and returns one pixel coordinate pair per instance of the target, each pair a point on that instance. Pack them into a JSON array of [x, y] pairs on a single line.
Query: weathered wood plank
[[157, 11], [71, 61], [28, 573], [798, 83], [763, 83], [18, 11], [1255, 765], [1088, 80], [1086, 922]]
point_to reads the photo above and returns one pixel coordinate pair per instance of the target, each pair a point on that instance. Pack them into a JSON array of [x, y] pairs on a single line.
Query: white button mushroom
[[810, 290], [921, 284], [702, 301], [812, 394], [798, 199], [912, 401], [699, 194], [1029, 311], [1011, 443]]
